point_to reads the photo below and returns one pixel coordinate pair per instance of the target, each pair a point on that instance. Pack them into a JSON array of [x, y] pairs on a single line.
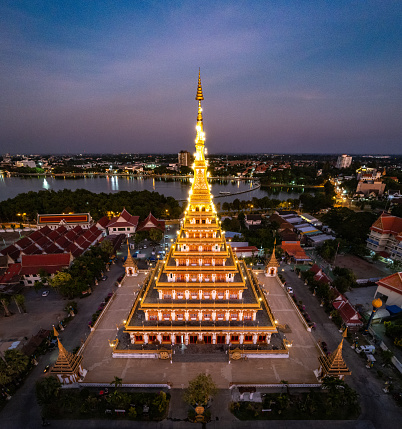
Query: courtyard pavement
[[102, 368]]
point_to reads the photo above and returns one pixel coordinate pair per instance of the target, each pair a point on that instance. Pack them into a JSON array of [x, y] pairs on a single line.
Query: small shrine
[[271, 269], [130, 266], [68, 367], [333, 365]]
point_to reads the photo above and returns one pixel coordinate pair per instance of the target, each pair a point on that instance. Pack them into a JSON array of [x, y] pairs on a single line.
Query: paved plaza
[[102, 368]]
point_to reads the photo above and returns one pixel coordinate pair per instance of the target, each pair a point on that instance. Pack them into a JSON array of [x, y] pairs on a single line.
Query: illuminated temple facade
[[200, 293]]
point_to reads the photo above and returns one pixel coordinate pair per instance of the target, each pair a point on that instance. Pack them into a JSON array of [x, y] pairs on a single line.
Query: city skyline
[[294, 77]]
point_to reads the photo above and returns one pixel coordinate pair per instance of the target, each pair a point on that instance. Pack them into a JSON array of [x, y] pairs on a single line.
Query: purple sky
[[278, 76]]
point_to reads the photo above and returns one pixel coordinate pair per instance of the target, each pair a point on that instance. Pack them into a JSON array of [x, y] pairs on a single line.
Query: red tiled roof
[[124, 220], [103, 221], [315, 269], [294, 250], [12, 274], [23, 242], [35, 235], [53, 235], [45, 230], [392, 282], [151, 222], [11, 251], [387, 224], [30, 264], [61, 229], [348, 313], [32, 250]]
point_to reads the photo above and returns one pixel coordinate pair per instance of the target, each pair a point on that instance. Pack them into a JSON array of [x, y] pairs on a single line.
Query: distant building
[[370, 187], [386, 237], [70, 220], [125, 223], [343, 161], [185, 158], [389, 289], [26, 163]]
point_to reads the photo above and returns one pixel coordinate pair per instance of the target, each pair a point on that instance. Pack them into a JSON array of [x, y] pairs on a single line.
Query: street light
[[376, 303]]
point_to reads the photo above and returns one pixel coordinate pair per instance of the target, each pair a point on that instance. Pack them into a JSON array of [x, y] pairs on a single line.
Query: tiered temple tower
[[201, 292]]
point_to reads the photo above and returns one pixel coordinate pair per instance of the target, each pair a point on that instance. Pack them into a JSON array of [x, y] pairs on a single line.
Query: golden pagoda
[[334, 365], [68, 366], [271, 269], [129, 265], [200, 293]]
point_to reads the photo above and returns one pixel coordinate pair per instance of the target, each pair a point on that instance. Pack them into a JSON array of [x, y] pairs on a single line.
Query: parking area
[[42, 312]]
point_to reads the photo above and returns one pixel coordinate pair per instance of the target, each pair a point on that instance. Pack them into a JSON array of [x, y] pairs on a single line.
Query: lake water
[[178, 189]]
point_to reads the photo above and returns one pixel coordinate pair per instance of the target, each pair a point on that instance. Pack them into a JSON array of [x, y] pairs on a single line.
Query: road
[[22, 410], [377, 406]]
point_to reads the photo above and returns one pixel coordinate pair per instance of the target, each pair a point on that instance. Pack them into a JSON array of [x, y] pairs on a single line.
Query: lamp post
[[376, 303]]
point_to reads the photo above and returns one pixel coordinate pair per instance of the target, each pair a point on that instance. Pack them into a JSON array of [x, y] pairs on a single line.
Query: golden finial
[[199, 95]]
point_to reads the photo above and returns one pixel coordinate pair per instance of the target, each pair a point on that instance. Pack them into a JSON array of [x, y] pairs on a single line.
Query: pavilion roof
[[151, 222], [392, 282]]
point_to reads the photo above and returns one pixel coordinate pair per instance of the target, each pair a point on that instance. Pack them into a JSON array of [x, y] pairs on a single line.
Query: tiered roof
[[334, 365], [151, 222], [67, 363], [293, 249], [125, 219]]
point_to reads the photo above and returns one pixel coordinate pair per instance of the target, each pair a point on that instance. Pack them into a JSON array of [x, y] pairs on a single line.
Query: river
[[176, 188]]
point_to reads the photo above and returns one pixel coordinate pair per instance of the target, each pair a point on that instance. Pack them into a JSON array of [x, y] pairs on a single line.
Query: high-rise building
[[343, 161], [201, 293], [185, 158]]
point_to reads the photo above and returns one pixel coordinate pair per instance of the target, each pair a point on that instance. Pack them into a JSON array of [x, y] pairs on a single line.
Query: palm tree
[[117, 382]]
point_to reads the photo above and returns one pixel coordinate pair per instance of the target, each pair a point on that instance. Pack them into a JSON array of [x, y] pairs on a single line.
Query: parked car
[[104, 278], [366, 349], [45, 293], [120, 279], [290, 290], [47, 367]]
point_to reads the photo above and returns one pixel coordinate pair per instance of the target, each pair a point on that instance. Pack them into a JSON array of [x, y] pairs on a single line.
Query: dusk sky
[[278, 76]]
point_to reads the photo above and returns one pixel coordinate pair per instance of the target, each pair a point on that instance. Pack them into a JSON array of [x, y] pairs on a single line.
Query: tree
[[155, 235], [200, 390], [62, 281], [107, 247], [46, 389], [20, 301], [117, 382], [5, 301]]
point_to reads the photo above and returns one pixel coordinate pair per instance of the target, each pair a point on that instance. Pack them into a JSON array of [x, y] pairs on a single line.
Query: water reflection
[[176, 188]]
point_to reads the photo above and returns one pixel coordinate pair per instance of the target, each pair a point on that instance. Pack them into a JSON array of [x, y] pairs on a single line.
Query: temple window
[[152, 338], [180, 316], [193, 316], [193, 339], [138, 338], [180, 295], [166, 316], [167, 296], [152, 317], [234, 338], [233, 316], [220, 316], [207, 316], [234, 295], [247, 316], [166, 338], [248, 338], [261, 338]]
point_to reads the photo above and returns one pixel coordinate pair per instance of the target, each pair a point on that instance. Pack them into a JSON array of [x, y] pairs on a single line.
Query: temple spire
[[199, 95], [334, 365]]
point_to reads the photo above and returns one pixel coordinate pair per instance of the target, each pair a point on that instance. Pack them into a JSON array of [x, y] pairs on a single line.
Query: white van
[[366, 349], [290, 290]]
